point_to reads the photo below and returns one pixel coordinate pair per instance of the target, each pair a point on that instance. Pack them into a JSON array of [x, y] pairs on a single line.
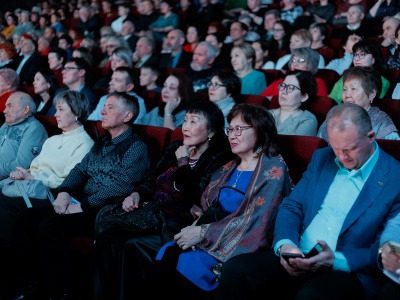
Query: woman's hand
[[61, 203], [74, 209], [390, 260], [172, 105], [184, 151], [131, 202], [21, 174], [188, 237]]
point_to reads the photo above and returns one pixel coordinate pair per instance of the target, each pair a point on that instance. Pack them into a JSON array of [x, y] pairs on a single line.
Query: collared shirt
[[327, 223], [22, 63], [142, 60], [175, 59], [354, 27]]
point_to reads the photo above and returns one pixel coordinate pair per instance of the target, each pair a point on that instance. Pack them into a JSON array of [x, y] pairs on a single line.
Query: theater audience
[[263, 61], [145, 53], [304, 59], [56, 59], [282, 31], [112, 168], [362, 86], [12, 22], [322, 11], [178, 181], [30, 61], [177, 57], [167, 21], [296, 92], [389, 34], [222, 59], [342, 64], [45, 85], [224, 90], [59, 155], [176, 95], [319, 33], [252, 135], [290, 11], [348, 256], [9, 83], [148, 78], [243, 58], [366, 53], [193, 38]]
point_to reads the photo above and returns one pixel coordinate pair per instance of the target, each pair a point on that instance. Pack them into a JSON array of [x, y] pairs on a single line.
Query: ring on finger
[[182, 244]]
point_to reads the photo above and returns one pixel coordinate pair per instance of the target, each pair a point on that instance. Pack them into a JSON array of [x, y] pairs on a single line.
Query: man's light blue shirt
[[327, 223], [96, 115]]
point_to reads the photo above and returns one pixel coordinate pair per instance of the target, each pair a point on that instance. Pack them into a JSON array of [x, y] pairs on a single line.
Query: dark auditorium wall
[[11, 5]]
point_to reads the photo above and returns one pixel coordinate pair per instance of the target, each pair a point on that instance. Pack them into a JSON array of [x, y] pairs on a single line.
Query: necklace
[[238, 175], [62, 138], [192, 163]]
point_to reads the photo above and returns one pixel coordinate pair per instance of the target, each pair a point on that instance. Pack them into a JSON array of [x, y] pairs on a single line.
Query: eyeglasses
[[237, 130], [70, 68], [360, 55], [288, 87], [111, 46], [298, 61], [214, 85]]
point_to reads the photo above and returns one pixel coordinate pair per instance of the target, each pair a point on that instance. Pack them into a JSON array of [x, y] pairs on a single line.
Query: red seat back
[[156, 138], [176, 135], [391, 107], [297, 152], [391, 147], [254, 99], [272, 75], [49, 123], [151, 99], [330, 77]]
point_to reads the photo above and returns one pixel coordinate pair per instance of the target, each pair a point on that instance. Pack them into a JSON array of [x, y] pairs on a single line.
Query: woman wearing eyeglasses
[[249, 190], [224, 91], [178, 181], [295, 93], [366, 53], [304, 59]]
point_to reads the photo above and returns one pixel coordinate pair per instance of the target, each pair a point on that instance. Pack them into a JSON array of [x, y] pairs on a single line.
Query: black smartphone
[[314, 251], [286, 256]]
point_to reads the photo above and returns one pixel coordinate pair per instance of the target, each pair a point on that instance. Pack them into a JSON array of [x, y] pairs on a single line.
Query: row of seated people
[[297, 151]]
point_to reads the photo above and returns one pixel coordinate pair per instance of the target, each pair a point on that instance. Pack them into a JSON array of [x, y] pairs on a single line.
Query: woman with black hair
[[45, 84], [123, 259], [366, 53]]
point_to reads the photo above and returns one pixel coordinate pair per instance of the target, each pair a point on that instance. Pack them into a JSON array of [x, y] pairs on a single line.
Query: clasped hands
[[299, 266], [21, 174], [63, 205], [188, 237]]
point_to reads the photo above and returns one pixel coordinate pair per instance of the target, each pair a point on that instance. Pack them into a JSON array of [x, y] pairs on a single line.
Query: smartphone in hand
[[314, 251]]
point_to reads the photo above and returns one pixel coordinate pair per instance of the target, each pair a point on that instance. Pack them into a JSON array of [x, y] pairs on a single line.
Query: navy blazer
[[378, 201]]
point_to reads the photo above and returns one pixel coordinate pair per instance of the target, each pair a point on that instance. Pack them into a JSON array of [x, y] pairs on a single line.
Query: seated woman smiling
[[295, 93]]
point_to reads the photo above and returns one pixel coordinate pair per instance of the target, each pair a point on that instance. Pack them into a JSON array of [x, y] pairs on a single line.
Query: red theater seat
[[49, 123], [297, 152], [391, 147], [151, 99]]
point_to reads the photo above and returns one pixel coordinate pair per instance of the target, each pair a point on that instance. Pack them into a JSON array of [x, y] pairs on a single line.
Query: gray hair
[[78, 103], [149, 41], [106, 31], [129, 103], [119, 40], [311, 57], [124, 54], [11, 77], [359, 7], [342, 116], [211, 51], [26, 13], [26, 99]]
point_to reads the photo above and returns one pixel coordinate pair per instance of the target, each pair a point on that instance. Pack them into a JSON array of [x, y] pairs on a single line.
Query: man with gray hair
[[144, 53], [201, 66], [338, 209], [21, 136]]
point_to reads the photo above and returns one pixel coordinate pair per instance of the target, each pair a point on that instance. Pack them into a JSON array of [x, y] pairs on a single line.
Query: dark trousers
[[390, 290], [42, 239], [250, 275]]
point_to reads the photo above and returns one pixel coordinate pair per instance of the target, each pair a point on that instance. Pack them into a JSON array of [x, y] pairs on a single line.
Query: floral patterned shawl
[[251, 226]]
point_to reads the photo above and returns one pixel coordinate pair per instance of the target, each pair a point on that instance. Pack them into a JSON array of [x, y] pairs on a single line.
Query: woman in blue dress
[[249, 189]]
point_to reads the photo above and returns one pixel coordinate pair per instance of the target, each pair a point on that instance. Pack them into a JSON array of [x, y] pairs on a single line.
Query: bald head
[[389, 27]]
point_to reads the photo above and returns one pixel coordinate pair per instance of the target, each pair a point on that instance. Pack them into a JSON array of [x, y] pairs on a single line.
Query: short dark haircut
[[220, 37], [307, 84], [263, 124], [349, 33], [322, 27], [67, 38], [214, 116], [81, 64], [85, 54], [53, 30], [51, 79], [231, 82], [132, 75], [14, 17], [344, 115], [60, 53], [78, 103], [369, 78], [129, 102], [154, 69], [371, 47]]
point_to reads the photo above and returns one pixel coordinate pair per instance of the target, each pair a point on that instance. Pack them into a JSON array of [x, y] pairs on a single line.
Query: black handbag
[[146, 219], [215, 212]]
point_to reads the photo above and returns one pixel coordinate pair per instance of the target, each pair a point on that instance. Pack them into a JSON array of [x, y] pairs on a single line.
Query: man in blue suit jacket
[[348, 193]]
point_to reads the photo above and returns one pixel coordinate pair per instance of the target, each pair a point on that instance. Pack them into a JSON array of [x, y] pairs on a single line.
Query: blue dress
[[196, 265]]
